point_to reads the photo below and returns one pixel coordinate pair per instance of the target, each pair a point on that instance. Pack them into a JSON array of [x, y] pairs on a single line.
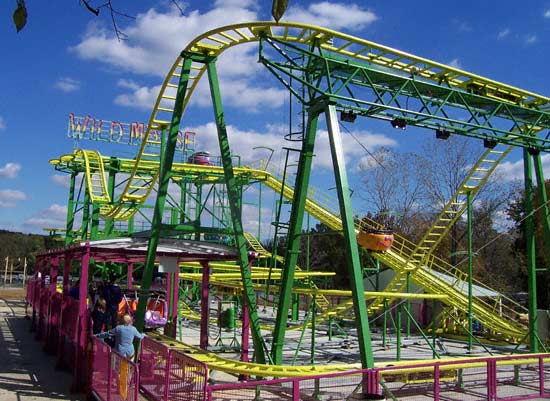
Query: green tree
[[517, 213]]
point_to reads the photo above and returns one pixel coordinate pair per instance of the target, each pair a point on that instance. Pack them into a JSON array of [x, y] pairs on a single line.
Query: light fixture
[[442, 134], [348, 116], [398, 123], [489, 143]]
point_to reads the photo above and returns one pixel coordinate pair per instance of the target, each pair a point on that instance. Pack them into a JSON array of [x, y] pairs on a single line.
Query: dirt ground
[[27, 373]]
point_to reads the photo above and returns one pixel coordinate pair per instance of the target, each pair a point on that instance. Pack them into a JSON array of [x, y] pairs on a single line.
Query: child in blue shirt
[[124, 336]]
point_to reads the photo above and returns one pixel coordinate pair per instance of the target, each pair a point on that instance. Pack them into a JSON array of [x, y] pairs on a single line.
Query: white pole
[[6, 271], [24, 271]]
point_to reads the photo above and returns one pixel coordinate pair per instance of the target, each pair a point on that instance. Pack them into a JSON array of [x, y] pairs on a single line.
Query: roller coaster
[[339, 73]]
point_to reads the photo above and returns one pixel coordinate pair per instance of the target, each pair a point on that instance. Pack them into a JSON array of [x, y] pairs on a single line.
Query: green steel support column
[[234, 206], [294, 231], [174, 216], [164, 180], [308, 249], [198, 210], [295, 309], [113, 167], [352, 255], [85, 216], [530, 247], [408, 305], [543, 200], [385, 324], [183, 201], [260, 211], [313, 328], [94, 232], [70, 211], [470, 272], [377, 275], [434, 352], [131, 225], [398, 331]]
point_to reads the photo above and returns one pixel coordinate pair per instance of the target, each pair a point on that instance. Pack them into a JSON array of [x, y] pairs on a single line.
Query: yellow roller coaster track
[[495, 316], [399, 259], [217, 362], [322, 301], [223, 280], [215, 42]]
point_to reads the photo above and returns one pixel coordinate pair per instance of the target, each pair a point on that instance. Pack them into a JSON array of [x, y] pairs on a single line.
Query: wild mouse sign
[[96, 129]]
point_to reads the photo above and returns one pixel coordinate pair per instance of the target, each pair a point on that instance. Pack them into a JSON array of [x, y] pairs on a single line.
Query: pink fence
[[101, 368], [166, 374], [510, 378], [54, 320], [42, 308], [187, 378], [68, 332], [29, 296], [153, 367], [113, 377], [124, 378]]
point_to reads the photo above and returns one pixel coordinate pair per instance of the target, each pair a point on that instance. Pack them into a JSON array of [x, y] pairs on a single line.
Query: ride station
[[228, 319]]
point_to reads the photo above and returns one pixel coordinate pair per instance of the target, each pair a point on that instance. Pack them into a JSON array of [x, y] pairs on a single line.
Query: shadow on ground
[[27, 373]]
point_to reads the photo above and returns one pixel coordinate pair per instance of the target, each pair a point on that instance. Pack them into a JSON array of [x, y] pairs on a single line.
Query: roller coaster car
[[202, 158], [375, 240], [156, 314]]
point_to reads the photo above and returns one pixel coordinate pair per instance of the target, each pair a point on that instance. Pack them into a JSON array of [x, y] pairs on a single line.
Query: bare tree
[[391, 188]]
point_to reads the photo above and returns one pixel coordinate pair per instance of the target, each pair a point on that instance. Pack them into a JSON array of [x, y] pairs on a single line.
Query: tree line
[[17, 245]]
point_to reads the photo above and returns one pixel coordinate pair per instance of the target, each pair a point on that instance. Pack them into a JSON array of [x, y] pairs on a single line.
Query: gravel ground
[[27, 373]]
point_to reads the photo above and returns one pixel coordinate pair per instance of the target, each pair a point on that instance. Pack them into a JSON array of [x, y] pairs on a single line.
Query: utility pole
[[6, 271]]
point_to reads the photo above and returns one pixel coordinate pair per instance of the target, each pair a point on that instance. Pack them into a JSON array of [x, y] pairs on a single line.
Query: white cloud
[[530, 39], [61, 180], [10, 170], [149, 51], [511, 171], [503, 34], [9, 197], [240, 93], [546, 13], [455, 63], [236, 92], [2, 123], [332, 15], [53, 216], [67, 84], [142, 98], [462, 26]]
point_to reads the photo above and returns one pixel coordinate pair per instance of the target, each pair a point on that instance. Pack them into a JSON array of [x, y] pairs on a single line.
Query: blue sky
[[67, 60]]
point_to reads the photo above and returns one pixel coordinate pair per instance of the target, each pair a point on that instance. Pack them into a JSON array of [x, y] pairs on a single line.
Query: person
[[113, 295], [99, 316], [124, 335], [74, 291]]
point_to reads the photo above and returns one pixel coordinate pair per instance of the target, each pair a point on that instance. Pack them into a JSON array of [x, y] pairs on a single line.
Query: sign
[[168, 264], [95, 129]]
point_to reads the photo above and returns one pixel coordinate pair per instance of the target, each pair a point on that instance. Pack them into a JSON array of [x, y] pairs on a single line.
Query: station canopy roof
[[135, 250]]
